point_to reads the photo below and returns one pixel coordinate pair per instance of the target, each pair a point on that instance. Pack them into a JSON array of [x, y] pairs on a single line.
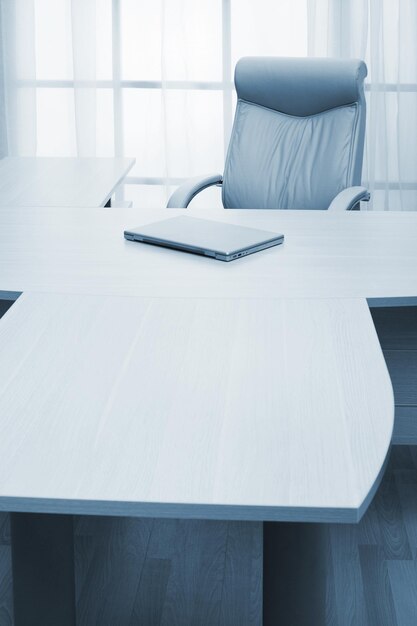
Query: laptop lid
[[206, 237]]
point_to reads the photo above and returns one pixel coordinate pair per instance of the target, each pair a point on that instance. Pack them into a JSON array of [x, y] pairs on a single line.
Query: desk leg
[[108, 203], [43, 569], [294, 574]]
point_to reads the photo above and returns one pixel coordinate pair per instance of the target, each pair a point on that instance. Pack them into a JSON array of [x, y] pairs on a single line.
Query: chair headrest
[[300, 86]]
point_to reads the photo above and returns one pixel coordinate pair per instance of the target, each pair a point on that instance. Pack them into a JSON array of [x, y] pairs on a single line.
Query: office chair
[[297, 138]]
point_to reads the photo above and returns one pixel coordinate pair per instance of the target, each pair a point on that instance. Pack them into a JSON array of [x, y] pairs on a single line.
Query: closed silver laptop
[[225, 242]]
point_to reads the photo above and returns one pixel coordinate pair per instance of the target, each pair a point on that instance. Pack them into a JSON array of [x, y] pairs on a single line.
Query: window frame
[[226, 86]]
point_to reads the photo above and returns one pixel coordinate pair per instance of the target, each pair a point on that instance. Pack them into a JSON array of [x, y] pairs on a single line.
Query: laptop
[[221, 241]]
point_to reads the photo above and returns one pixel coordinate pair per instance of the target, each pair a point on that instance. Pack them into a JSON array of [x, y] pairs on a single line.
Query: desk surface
[[252, 390], [350, 255], [278, 409], [60, 182]]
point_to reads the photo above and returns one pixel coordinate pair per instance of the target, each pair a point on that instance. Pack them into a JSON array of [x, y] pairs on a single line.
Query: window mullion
[[117, 89], [226, 71]]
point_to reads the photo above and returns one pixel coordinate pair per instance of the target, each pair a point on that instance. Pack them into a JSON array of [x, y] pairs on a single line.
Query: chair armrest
[[347, 199], [182, 196]]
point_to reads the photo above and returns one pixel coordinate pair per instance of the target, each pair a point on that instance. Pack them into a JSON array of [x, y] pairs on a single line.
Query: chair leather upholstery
[[298, 134]]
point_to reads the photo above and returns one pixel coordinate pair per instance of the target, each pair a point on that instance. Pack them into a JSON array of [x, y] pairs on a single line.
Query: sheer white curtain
[[18, 57], [384, 33], [83, 40], [153, 80], [141, 78], [49, 42]]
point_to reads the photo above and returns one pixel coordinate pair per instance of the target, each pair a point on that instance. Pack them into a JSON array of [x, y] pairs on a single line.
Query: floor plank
[[377, 587], [150, 598], [198, 562], [369, 529], [108, 594], [407, 488], [403, 580], [349, 591], [241, 600], [84, 552], [6, 603], [332, 617], [4, 530], [394, 540]]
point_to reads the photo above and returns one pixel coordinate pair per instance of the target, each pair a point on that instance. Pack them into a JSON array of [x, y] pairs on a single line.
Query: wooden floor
[[374, 580], [191, 573]]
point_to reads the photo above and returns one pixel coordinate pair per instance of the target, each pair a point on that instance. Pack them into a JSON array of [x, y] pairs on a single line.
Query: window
[[153, 79], [148, 79]]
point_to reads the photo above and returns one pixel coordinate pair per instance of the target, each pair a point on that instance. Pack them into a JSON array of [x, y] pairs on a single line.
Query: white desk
[[348, 255], [144, 381], [212, 408], [60, 182]]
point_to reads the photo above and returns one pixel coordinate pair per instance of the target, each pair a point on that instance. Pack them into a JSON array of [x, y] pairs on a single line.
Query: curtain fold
[[19, 60], [83, 38], [3, 116]]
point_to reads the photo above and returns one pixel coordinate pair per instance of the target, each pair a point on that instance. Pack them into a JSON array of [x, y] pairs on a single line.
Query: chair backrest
[[298, 133]]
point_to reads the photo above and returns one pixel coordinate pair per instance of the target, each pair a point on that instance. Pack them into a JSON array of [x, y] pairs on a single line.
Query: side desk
[[60, 182]]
